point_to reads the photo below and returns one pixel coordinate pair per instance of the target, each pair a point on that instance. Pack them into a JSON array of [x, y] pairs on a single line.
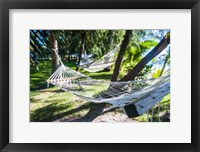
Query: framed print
[[99, 75]]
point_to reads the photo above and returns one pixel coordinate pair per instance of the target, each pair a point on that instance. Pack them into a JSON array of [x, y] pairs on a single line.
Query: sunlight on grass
[[53, 104]]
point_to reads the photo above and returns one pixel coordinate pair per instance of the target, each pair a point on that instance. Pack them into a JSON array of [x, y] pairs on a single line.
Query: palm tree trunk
[[69, 55], [54, 49], [121, 54], [83, 36]]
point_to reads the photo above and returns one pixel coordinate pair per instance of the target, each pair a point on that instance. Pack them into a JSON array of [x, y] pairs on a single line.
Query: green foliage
[[148, 44], [138, 46], [144, 73], [156, 73], [97, 43], [161, 62]]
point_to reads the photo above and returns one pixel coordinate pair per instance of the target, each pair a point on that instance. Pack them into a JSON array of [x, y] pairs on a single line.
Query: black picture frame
[[5, 5]]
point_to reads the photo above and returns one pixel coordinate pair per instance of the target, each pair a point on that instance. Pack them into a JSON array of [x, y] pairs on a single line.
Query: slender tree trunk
[[157, 50], [69, 54], [164, 65], [110, 39], [83, 36], [121, 54], [54, 48], [71, 47]]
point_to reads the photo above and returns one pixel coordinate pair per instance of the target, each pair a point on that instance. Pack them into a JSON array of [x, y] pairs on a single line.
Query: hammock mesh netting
[[105, 61], [144, 94]]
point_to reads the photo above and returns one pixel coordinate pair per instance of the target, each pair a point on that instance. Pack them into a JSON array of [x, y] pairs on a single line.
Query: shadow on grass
[[102, 76], [95, 111], [48, 113], [55, 111], [56, 91], [38, 81]]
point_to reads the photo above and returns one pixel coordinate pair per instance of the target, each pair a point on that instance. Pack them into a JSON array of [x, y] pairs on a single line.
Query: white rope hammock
[[105, 61], [86, 59], [144, 94]]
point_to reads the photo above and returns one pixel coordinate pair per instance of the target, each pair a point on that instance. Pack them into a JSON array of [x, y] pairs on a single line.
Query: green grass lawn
[[53, 104]]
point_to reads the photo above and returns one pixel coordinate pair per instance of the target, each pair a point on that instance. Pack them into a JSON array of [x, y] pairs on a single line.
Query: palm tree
[[83, 38], [54, 50], [121, 54]]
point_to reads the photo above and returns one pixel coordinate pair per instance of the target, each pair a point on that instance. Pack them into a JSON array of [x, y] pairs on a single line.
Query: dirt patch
[[113, 117]]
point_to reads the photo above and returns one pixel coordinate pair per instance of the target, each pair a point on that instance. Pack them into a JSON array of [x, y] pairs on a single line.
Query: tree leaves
[[98, 43]]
